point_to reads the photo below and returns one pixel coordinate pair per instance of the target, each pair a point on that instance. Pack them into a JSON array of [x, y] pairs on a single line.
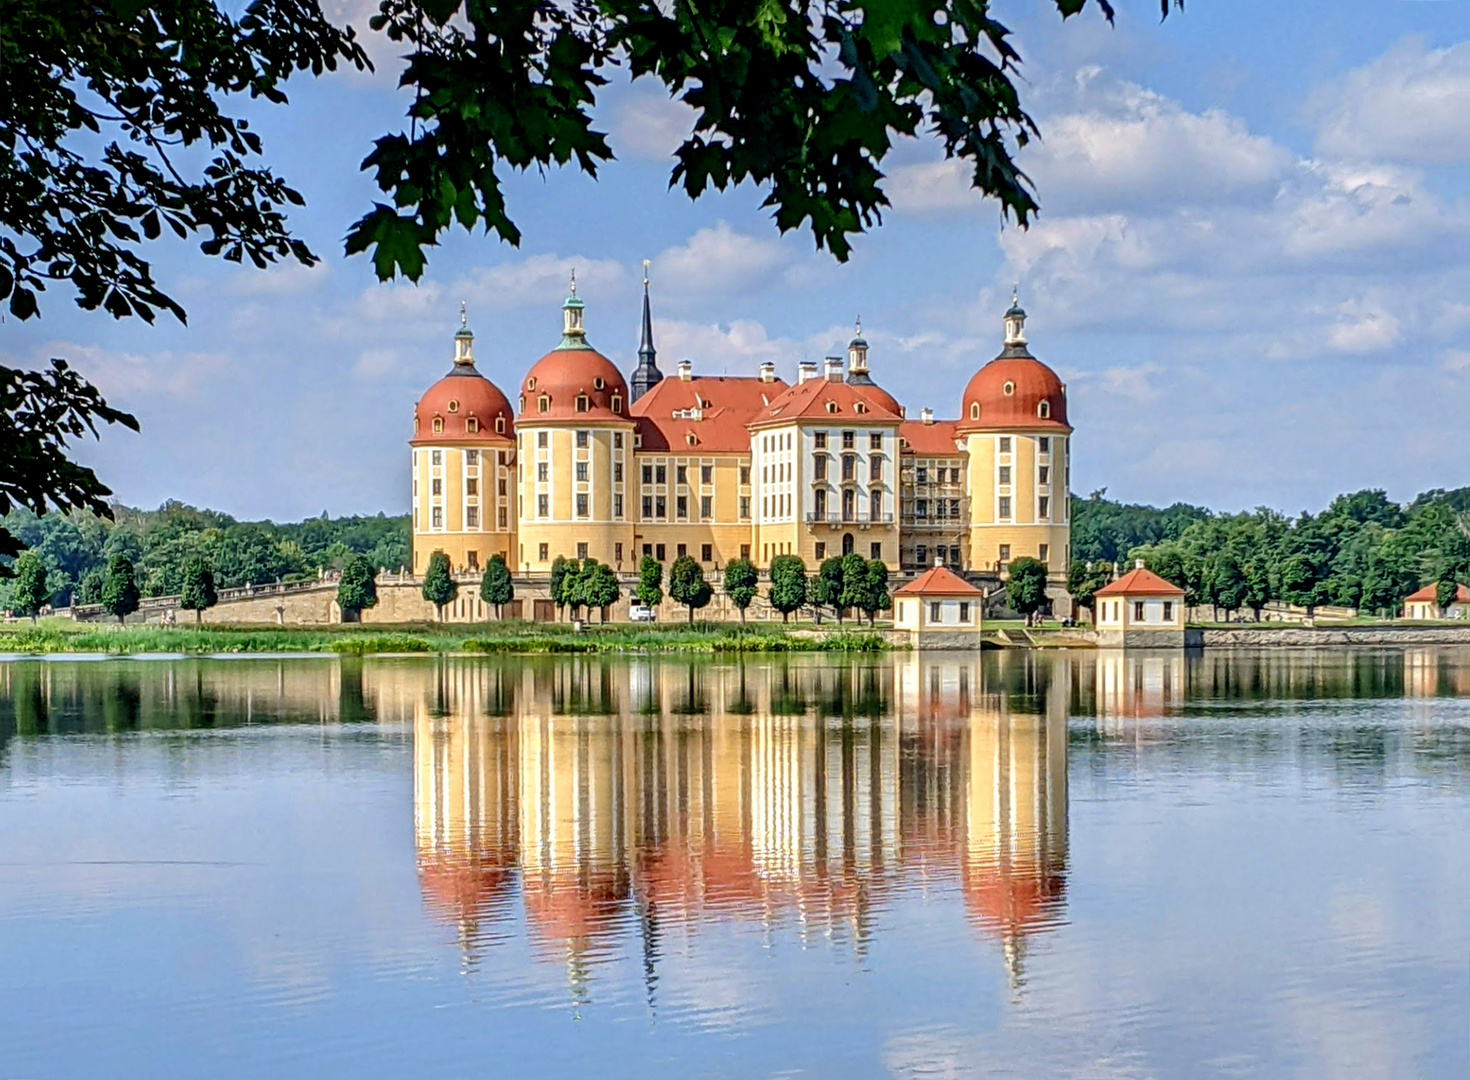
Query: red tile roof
[[1140, 582], [810, 401], [712, 408], [938, 581], [935, 439], [1430, 593]]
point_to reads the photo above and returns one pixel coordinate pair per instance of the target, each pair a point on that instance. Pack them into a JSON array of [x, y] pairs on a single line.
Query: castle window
[[543, 471], [706, 552], [706, 474], [875, 440], [617, 472], [415, 425], [581, 402], [974, 410], [597, 383], [543, 404], [500, 425], [472, 486], [1043, 444], [581, 472], [1005, 444], [820, 440], [582, 437], [502, 517], [438, 424], [1008, 389], [472, 426], [523, 403], [472, 517], [1043, 410], [436, 517], [531, 383], [581, 505], [1005, 507], [745, 507], [438, 488], [691, 440], [745, 476], [859, 407], [543, 506], [831, 406], [543, 551], [472, 458], [541, 439], [706, 508], [647, 507], [1044, 506], [436, 457], [617, 440]]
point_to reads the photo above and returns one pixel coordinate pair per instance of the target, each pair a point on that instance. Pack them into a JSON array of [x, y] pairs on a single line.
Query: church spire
[[857, 357], [647, 374], [1015, 323], [464, 341]]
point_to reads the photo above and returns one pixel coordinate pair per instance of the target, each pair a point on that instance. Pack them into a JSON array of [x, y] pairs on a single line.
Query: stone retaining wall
[[1301, 636]]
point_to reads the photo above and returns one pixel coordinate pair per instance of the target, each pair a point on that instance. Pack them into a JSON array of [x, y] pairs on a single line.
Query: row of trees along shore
[[844, 584], [1363, 552]]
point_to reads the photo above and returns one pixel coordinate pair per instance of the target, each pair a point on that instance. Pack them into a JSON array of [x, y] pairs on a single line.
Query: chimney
[[1138, 564], [768, 371], [834, 369], [805, 370], [927, 416], [686, 370]]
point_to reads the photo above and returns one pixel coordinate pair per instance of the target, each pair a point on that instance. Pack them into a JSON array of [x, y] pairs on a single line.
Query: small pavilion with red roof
[[1140, 610], [940, 610], [1424, 604]]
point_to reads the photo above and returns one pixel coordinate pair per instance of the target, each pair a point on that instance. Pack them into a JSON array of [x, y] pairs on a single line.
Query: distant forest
[[1364, 551], [77, 547]]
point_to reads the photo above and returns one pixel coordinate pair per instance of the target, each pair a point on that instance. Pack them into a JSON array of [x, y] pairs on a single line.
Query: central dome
[[573, 384], [464, 406], [1015, 391]]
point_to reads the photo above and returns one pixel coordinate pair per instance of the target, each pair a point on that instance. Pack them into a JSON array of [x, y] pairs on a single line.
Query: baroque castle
[[589, 465]]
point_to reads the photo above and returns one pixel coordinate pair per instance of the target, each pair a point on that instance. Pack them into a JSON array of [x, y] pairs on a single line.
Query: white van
[[641, 613]]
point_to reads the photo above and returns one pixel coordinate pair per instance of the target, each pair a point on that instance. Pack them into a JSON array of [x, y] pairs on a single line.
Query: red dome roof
[[880, 397], [1015, 393], [469, 408], [563, 376]]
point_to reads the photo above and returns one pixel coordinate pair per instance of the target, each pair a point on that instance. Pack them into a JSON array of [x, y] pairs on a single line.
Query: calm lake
[[1049, 865]]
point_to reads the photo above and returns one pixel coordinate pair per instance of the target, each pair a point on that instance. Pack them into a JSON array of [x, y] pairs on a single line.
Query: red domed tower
[[1014, 426], [463, 466], [575, 441]]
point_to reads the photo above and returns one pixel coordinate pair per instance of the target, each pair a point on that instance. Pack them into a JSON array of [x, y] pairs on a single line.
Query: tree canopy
[[687, 585], [496, 586], [119, 588], [357, 589], [1026, 586], [788, 584], [650, 582], [439, 586], [741, 578], [198, 593]]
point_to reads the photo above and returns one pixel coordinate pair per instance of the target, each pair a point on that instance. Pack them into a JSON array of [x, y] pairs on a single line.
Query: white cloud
[[1363, 327], [650, 125], [932, 187], [288, 278], [720, 260], [539, 281], [1411, 104], [1126, 146], [124, 377], [738, 347]]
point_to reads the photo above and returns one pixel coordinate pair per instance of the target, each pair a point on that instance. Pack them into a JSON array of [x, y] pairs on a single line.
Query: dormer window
[[523, 403], [974, 410], [454, 406], [500, 425], [543, 404], [472, 426], [531, 383], [831, 406], [597, 383], [617, 403], [415, 425], [1008, 389], [690, 439], [582, 403], [438, 425], [1043, 410], [859, 407]]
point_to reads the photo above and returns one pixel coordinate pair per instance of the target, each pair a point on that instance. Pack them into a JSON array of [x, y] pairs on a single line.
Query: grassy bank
[[484, 638]]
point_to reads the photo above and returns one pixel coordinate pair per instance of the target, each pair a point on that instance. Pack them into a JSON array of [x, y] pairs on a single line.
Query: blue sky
[[1252, 269]]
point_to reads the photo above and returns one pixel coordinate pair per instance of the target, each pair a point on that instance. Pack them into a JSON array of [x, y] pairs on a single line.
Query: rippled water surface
[[1084, 864]]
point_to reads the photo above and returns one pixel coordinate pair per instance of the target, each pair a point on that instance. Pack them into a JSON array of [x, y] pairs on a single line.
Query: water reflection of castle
[[627, 797]]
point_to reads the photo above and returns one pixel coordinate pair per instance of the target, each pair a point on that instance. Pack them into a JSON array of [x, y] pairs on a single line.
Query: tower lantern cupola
[[1016, 320], [857, 354], [464, 341], [573, 333]]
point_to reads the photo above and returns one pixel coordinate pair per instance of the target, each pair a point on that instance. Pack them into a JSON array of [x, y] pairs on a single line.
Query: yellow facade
[[464, 504], [1018, 504], [574, 486], [695, 505]]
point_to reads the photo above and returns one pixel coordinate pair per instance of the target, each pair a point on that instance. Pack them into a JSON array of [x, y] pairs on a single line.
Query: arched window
[[1008, 389], [1043, 410], [974, 410], [438, 424], [500, 425], [831, 406], [453, 406], [523, 403], [531, 383], [597, 383], [859, 407], [472, 426], [543, 404], [617, 404], [581, 402], [691, 439], [415, 425]]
